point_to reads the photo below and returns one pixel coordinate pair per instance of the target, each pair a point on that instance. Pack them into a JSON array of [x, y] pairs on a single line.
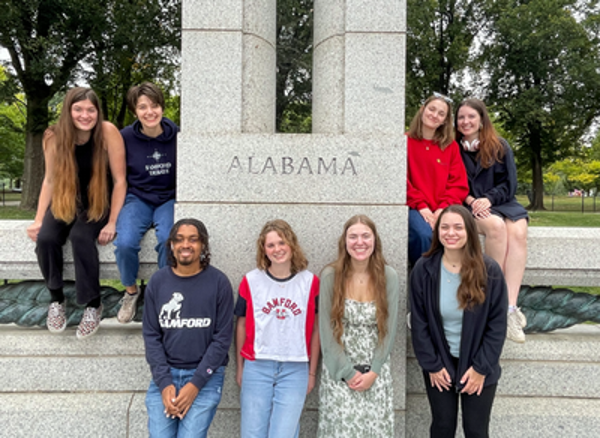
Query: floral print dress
[[345, 413]]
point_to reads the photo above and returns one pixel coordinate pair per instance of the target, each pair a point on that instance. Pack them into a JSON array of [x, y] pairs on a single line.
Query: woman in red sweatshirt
[[436, 176]]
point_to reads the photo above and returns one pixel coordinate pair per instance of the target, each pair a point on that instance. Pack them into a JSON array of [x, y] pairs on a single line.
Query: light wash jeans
[[272, 398], [197, 420], [135, 218]]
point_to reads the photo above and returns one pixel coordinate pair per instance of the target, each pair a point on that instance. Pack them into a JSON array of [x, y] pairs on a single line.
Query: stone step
[[564, 363], [519, 417]]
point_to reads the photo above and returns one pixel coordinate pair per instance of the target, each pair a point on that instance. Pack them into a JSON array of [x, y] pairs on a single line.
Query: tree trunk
[[535, 146], [33, 171]]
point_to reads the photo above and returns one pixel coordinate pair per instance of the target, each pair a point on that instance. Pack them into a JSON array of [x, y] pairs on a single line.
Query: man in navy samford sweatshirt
[[188, 327]]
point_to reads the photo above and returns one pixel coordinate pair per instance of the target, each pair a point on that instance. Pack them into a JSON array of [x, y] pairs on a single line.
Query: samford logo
[[186, 323], [282, 307], [170, 312]]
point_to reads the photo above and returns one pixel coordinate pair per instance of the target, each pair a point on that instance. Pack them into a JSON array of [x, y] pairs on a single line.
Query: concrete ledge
[[18, 260], [557, 256]]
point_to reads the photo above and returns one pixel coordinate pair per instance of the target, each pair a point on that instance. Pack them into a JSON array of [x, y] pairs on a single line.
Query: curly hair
[[343, 271], [473, 274], [283, 230], [202, 233], [490, 147], [444, 134]]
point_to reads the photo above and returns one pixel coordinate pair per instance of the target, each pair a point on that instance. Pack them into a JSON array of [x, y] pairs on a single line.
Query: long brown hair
[[343, 271], [444, 134], [473, 274], [283, 230], [490, 147], [65, 180]]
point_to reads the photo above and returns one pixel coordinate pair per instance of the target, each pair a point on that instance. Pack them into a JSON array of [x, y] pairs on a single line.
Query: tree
[[46, 40], [137, 41], [439, 38], [543, 68], [294, 65]]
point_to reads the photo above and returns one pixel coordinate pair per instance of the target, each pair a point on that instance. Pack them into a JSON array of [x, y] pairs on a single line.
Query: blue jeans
[[272, 398], [419, 236], [135, 218], [197, 420]]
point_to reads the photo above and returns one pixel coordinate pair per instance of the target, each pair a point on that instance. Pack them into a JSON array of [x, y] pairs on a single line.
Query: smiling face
[[148, 113], [187, 246], [360, 242], [277, 250], [468, 122], [435, 114], [84, 115], [452, 231]]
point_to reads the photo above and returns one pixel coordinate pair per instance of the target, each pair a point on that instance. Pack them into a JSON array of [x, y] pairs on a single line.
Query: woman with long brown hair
[[492, 175], [435, 175], [84, 158], [458, 319], [358, 311]]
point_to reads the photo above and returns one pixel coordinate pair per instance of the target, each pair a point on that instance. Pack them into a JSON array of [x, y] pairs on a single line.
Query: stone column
[[235, 174]]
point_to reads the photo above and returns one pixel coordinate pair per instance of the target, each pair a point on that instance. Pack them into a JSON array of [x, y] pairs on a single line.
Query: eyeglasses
[[443, 97]]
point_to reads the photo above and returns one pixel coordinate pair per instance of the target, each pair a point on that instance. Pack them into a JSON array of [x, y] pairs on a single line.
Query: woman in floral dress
[[357, 322]]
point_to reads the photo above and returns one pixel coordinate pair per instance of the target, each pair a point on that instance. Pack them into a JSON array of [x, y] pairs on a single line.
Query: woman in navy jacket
[[492, 178], [458, 320]]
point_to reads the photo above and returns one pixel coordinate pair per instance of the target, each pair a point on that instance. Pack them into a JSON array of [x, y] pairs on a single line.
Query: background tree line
[[536, 63]]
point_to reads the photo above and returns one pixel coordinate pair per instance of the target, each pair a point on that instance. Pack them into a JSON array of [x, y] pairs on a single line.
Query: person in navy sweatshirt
[[150, 144], [187, 329]]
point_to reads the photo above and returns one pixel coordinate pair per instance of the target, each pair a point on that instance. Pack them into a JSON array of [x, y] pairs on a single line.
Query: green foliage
[[294, 65], [135, 41], [12, 131], [440, 35], [575, 173], [544, 78]]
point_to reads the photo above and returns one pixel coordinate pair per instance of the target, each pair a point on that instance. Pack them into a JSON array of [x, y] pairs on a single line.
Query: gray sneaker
[[521, 317], [90, 322], [128, 307], [514, 331], [57, 317]]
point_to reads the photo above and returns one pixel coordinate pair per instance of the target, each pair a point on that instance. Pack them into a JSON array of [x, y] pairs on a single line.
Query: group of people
[[101, 184]]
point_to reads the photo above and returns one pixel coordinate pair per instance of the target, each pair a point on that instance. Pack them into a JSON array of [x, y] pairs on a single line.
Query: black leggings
[[476, 410], [83, 235]]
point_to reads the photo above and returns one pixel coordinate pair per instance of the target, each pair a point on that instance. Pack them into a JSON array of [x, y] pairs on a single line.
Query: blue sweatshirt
[[188, 324], [151, 162]]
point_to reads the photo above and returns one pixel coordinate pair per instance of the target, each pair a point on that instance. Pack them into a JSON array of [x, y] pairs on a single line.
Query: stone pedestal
[[234, 173]]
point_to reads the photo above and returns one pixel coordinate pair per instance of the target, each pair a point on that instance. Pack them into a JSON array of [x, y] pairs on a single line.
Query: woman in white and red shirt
[[277, 335]]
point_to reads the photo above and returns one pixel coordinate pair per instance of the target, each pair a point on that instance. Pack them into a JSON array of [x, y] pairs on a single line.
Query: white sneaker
[[514, 331], [521, 317], [128, 306]]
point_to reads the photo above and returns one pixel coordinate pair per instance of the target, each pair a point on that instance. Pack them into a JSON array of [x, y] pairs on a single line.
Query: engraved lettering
[[235, 164], [287, 165], [305, 164], [332, 164], [349, 165], [269, 165], [250, 167]]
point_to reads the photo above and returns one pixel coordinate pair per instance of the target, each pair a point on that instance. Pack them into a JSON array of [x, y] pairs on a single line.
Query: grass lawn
[[15, 213]]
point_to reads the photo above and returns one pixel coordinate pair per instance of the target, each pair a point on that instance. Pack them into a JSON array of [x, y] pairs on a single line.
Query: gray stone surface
[[211, 81], [521, 417], [374, 82], [375, 16], [328, 86], [328, 21], [309, 169], [258, 108], [211, 15], [18, 259]]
